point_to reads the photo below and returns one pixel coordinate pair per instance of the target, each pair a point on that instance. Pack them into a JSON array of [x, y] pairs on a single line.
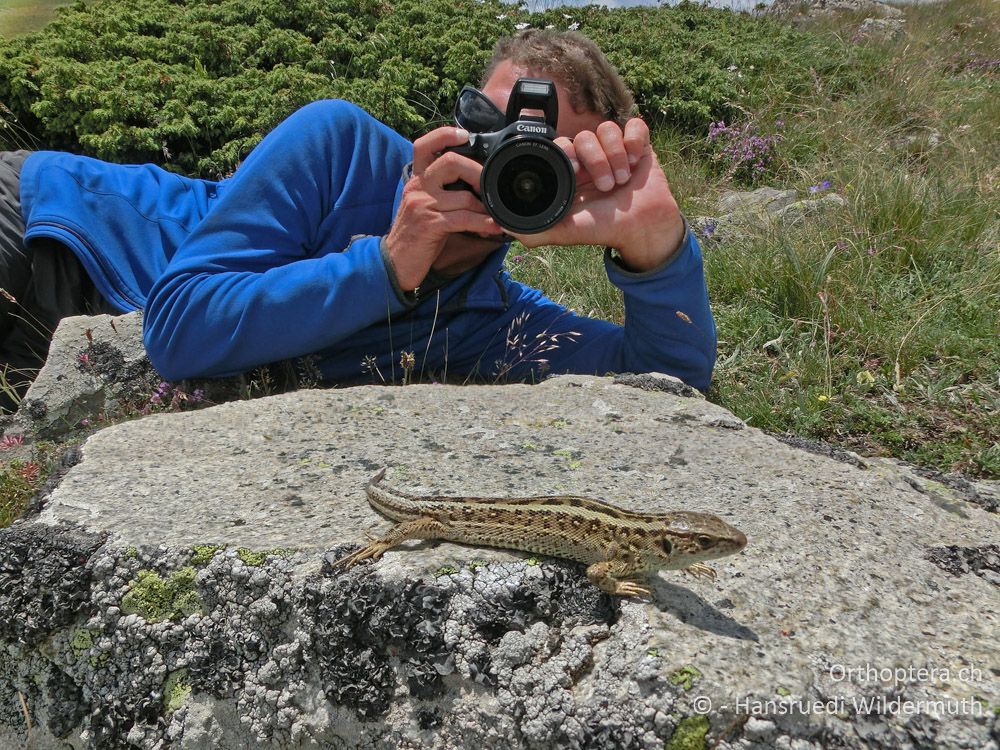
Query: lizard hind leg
[[417, 528]]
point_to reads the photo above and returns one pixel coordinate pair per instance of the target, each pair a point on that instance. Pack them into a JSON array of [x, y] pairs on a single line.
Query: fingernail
[[575, 164], [622, 176], [605, 182], [462, 133], [633, 159]]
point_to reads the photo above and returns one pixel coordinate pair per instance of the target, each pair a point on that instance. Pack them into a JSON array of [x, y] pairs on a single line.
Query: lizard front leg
[[700, 570], [615, 576], [424, 527]]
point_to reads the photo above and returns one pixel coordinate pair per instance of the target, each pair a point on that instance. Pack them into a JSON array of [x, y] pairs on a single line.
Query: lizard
[[618, 546]]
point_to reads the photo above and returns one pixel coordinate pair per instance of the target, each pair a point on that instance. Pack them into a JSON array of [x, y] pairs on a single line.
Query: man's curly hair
[[574, 61]]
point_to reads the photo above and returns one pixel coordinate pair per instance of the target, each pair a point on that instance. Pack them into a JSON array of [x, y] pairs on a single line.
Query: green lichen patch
[[445, 570], [256, 558], [205, 552], [175, 690], [685, 677], [690, 734], [82, 641], [156, 599]]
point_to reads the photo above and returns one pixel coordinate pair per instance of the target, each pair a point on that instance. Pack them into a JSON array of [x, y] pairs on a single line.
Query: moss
[[685, 677], [783, 692], [690, 734], [445, 570], [205, 552], [131, 552], [175, 690], [157, 599]]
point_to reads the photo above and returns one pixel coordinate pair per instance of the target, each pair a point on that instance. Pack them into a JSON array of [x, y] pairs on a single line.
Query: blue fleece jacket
[[284, 259]]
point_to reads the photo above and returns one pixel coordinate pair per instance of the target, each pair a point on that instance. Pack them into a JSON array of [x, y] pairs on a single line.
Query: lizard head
[[686, 538]]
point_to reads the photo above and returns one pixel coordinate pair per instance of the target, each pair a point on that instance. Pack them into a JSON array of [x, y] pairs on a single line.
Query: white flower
[[521, 26], [501, 16], [574, 26]]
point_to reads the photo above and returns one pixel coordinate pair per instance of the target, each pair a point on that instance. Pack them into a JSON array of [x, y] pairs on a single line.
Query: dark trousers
[[40, 284]]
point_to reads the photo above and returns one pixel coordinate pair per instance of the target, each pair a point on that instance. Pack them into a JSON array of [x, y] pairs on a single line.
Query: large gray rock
[[97, 366], [174, 590], [97, 371], [744, 213], [816, 8]]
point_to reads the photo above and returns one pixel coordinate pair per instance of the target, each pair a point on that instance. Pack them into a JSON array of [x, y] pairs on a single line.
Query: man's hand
[[429, 214], [623, 199]]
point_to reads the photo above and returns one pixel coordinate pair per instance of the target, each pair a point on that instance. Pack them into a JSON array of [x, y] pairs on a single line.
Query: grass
[[22, 472], [876, 326]]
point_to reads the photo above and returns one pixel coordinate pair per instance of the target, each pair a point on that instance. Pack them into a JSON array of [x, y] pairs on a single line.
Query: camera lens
[[527, 184]]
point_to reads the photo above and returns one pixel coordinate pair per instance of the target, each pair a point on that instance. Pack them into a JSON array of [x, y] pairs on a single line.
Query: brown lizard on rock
[[618, 546]]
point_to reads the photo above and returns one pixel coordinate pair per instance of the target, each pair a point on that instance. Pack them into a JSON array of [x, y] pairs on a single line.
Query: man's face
[[502, 81]]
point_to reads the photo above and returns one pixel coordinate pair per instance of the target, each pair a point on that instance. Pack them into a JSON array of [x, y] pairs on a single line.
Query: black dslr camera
[[527, 183]]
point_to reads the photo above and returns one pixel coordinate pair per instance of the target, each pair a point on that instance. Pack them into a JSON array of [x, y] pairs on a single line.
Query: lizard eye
[[666, 546], [705, 541]]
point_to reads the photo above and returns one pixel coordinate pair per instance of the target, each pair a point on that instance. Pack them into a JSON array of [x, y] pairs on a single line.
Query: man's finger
[[636, 139], [570, 150], [469, 221], [428, 147], [449, 168], [456, 200], [613, 143], [590, 154]]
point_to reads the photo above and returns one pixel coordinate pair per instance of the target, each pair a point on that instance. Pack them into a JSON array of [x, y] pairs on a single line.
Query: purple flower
[[824, 185], [744, 152]]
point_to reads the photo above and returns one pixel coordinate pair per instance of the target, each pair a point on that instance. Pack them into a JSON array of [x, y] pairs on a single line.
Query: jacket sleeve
[[288, 261], [668, 327]]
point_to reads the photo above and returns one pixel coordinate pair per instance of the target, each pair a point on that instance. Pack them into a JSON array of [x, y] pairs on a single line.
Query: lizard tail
[[378, 477]]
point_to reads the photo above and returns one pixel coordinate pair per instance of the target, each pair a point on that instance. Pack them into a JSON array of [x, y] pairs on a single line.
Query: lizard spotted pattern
[[619, 547]]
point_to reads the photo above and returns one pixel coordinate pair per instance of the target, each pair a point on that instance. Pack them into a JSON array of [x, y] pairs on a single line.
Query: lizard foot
[[372, 552], [632, 588], [700, 570]]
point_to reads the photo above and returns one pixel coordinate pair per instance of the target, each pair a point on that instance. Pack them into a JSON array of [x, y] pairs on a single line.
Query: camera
[[527, 183]]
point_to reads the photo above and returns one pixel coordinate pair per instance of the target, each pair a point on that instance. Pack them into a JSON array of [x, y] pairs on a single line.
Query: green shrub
[[194, 84]]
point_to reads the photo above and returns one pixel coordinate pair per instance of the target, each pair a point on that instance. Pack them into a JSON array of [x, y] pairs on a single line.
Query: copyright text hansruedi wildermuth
[[893, 678]]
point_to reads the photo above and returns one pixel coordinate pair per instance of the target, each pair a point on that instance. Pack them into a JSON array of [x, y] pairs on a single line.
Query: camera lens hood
[[527, 184]]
